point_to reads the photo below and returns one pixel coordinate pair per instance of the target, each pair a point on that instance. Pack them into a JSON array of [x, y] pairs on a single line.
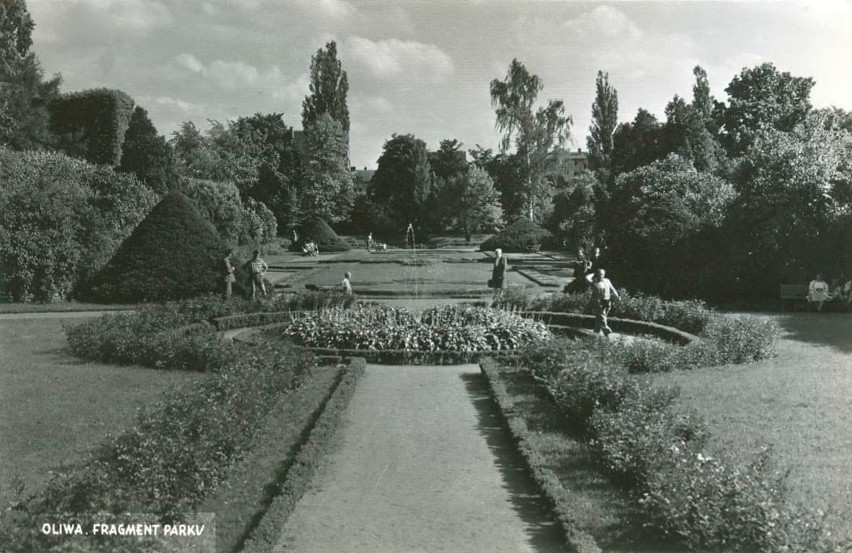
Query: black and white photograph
[[422, 276]]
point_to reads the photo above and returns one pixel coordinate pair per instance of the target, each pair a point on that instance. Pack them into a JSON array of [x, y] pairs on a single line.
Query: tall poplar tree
[[604, 122], [329, 86]]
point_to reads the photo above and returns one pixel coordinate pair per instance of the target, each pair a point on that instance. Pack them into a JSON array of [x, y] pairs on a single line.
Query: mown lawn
[[53, 407], [390, 271], [799, 403]]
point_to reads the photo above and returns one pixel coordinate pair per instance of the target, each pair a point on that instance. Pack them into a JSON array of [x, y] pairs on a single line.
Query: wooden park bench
[[793, 292]]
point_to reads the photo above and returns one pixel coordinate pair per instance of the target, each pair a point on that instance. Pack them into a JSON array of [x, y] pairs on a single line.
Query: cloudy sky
[[424, 67]]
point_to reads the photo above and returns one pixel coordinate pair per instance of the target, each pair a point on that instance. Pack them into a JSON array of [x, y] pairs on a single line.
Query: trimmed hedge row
[[301, 468], [253, 484], [176, 453], [91, 124], [655, 450], [549, 484]]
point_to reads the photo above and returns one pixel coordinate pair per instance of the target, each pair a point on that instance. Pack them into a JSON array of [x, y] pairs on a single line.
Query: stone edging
[[628, 326]]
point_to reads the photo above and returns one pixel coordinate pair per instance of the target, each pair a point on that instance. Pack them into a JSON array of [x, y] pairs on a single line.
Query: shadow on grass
[[825, 329], [543, 530]]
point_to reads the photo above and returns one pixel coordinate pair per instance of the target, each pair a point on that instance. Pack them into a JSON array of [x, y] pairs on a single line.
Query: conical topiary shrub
[[323, 236], [174, 253], [521, 236]]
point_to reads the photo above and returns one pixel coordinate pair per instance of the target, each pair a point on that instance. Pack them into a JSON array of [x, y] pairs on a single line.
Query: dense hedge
[[723, 339], [655, 450], [61, 219], [174, 455], [521, 236], [173, 254], [322, 235], [91, 124]]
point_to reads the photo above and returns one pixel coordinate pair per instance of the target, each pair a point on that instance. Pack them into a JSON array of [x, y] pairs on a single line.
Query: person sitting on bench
[[818, 291]]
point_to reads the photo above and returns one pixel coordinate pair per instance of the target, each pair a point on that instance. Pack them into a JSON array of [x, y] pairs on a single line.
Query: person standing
[[346, 284], [604, 292], [258, 268], [370, 242], [229, 275], [581, 268], [498, 273]]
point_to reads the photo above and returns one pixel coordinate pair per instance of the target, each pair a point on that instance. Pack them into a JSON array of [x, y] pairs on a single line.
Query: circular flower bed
[[462, 328]]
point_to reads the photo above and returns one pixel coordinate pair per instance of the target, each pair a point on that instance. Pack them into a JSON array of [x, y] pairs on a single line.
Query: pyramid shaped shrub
[[174, 253], [521, 236], [323, 236]]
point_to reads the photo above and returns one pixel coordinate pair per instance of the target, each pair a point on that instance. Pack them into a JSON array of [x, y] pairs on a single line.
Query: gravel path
[[421, 464]]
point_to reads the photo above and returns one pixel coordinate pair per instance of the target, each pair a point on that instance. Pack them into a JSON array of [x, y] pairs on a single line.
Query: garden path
[[422, 463]]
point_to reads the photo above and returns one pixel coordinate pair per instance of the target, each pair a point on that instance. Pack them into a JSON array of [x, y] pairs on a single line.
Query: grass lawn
[[443, 271], [53, 407], [798, 402]]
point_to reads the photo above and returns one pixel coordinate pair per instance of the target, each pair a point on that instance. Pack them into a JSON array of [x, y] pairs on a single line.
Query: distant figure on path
[[229, 275], [818, 292], [595, 262], [581, 268], [295, 236], [604, 292], [498, 273], [370, 242], [346, 284], [258, 268]]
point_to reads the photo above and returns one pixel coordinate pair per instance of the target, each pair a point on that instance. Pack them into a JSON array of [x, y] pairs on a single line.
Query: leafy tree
[[403, 183], [762, 96], [788, 185], [217, 154], [146, 154], [326, 183], [638, 143], [663, 216], [506, 170], [329, 85], [449, 161], [604, 122], [24, 94], [534, 134], [573, 218], [474, 202]]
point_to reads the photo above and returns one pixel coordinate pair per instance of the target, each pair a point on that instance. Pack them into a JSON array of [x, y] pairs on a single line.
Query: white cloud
[[168, 102], [126, 15], [603, 21], [388, 59], [190, 62]]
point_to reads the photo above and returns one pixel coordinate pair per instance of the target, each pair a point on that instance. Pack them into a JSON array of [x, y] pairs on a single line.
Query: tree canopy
[[534, 134]]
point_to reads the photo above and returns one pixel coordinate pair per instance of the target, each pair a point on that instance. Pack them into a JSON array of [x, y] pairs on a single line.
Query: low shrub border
[[175, 454], [241, 502], [655, 450], [557, 496], [297, 475]]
